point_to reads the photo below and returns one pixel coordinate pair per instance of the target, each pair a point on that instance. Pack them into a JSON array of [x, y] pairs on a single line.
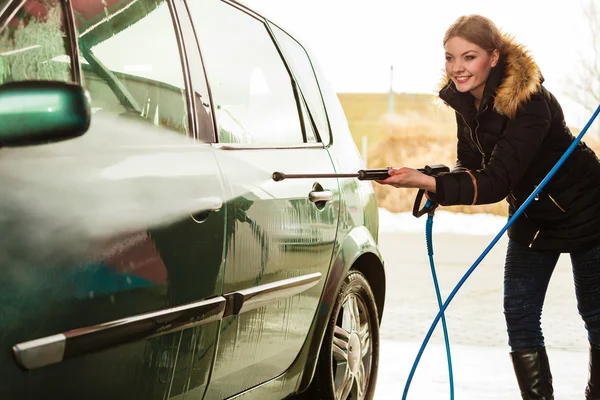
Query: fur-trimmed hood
[[511, 83]]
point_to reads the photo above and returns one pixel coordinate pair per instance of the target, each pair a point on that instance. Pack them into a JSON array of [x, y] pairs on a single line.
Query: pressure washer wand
[[377, 174], [363, 175]]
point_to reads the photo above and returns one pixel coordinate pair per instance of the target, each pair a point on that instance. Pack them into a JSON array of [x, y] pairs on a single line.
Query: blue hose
[[429, 239], [517, 213]]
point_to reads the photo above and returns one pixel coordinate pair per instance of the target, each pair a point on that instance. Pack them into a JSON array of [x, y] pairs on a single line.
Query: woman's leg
[[586, 273], [527, 273]]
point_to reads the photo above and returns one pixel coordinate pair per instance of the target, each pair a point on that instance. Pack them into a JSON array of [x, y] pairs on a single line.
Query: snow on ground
[[443, 222], [480, 373]]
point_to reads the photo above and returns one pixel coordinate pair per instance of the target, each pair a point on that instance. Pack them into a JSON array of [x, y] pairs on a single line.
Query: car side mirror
[[38, 112]]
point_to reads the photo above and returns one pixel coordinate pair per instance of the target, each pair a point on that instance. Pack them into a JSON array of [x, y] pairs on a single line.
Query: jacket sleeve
[[510, 159]]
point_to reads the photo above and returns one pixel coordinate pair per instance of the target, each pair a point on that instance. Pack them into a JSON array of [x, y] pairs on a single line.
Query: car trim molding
[[40, 352], [239, 146], [57, 348], [54, 349], [245, 300]]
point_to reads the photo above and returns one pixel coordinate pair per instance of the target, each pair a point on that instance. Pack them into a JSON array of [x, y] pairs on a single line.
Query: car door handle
[[320, 196], [207, 206]]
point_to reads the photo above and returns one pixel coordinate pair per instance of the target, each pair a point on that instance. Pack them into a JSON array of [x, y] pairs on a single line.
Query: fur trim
[[445, 81], [522, 78]]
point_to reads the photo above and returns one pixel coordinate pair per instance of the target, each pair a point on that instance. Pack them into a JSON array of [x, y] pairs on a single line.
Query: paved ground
[[482, 368]]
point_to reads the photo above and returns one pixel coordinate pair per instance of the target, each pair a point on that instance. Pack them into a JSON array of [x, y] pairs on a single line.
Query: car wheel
[[347, 367]]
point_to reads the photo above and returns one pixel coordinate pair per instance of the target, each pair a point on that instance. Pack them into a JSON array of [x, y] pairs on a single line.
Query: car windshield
[[33, 43]]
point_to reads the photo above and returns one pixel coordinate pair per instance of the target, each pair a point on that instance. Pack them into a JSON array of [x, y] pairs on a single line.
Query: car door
[[280, 235], [112, 250]]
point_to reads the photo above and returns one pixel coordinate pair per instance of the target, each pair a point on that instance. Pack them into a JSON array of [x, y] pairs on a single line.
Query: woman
[[511, 132]]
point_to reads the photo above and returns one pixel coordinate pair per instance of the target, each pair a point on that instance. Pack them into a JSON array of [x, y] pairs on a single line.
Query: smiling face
[[468, 65]]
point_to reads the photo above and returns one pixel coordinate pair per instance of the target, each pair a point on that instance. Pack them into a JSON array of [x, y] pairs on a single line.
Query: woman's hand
[[409, 178]]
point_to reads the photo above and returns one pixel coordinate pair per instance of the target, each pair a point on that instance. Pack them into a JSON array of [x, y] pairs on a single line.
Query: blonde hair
[[479, 30]]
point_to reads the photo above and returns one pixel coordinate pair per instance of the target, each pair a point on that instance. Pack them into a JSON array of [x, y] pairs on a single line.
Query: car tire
[[349, 357]]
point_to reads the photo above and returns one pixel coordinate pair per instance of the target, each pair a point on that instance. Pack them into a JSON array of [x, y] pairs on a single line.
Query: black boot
[[592, 391], [533, 373]]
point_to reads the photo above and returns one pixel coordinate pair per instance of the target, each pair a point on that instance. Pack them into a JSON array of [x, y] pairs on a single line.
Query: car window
[[296, 55], [204, 116], [131, 62], [252, 90], [308, 125], [33, 42]]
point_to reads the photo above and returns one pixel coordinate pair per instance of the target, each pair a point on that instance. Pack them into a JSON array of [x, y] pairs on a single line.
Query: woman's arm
[[512, 156], [466, 159], [517, 146]]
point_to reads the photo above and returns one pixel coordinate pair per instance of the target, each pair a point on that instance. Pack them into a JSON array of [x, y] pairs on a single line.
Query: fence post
[[365, 150]]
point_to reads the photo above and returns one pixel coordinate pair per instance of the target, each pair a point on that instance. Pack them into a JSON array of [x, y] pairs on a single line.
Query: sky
[[356, 41]]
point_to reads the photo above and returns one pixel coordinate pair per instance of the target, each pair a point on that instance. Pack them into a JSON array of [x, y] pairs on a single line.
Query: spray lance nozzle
[[430, 205]]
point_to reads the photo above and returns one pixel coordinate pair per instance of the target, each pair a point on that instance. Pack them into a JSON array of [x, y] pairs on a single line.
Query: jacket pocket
[[545, 209], [554, 203]]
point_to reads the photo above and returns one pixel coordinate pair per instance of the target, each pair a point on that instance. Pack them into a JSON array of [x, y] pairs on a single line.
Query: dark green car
[[146, 251]]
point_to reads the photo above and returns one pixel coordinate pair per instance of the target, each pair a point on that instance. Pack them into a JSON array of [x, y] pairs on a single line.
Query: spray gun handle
[[434, 169], [427, 209], [382, 173], [430, 206], [373, 174]]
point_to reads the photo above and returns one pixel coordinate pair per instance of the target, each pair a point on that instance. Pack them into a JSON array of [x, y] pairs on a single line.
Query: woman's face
[[468, 65]]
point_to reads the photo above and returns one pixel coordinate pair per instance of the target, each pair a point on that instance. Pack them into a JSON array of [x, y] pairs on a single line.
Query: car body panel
[[357, 236], [274, 232], [357, 243], [122, 243]]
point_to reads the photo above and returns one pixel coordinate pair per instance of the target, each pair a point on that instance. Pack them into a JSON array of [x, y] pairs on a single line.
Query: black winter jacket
[[507, 147]]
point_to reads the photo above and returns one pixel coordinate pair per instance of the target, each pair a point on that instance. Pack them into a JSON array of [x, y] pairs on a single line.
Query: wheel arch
[[357, 251], [372, 268]]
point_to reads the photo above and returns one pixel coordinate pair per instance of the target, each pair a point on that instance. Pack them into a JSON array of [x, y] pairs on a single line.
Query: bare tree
[[584, 87]]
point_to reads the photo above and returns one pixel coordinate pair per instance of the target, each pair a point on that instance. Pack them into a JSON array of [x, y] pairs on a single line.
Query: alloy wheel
[[352, 350]]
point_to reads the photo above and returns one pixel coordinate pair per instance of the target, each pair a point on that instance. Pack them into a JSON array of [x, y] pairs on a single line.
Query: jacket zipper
[[555, 203], [524, 213], [534, 237], [477, 137], [473, 140]]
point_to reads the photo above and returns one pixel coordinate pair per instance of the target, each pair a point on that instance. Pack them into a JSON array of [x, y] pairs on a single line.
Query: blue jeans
[[527, 273]]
